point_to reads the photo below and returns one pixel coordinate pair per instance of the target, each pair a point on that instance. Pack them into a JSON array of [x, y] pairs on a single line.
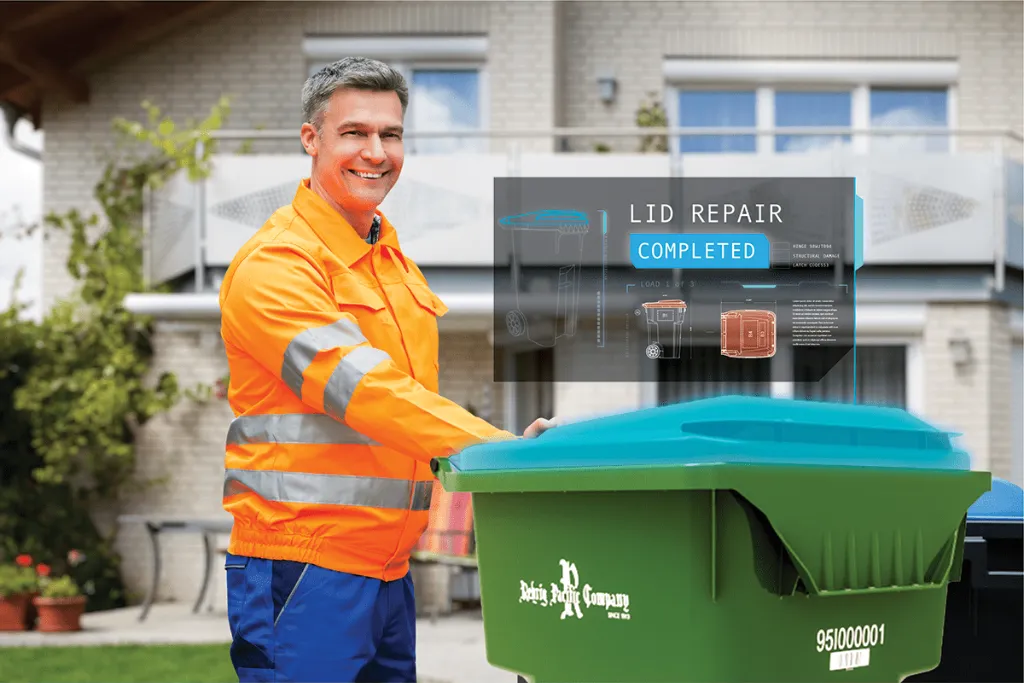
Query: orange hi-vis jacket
[[332, 351]]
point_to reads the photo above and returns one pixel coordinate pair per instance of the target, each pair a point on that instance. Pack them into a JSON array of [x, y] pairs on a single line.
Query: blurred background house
[[558, 88]]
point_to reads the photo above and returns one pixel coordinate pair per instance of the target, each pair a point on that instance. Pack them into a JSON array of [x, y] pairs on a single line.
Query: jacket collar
[[334, 231]]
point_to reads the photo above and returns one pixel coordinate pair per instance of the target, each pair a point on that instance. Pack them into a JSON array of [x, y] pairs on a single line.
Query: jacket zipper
[[387, 302]]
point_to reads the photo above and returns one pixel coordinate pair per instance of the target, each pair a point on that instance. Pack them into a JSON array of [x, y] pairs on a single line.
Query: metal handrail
[[619, 131]]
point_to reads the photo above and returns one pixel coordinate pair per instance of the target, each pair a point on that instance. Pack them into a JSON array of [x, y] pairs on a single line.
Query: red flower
[[24, 560], [43, 569], [75, 557]]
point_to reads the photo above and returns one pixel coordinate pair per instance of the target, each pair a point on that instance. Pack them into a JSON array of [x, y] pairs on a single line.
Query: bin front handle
[[880, 589]]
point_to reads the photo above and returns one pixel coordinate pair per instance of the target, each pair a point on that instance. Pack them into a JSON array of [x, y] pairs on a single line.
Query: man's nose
[[374, 150]]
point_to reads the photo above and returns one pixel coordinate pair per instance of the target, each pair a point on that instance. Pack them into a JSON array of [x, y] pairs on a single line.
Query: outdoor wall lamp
[[606, 87], [960, 350]]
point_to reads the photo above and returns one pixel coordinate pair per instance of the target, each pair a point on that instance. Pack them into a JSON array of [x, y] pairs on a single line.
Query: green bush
[[15, 580], [74, 387], [63, 587]]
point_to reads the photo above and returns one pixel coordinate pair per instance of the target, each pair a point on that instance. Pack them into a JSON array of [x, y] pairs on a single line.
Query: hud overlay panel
[[713, 276]]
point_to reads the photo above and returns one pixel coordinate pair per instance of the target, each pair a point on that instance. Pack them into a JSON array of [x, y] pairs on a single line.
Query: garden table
[[155, 525]]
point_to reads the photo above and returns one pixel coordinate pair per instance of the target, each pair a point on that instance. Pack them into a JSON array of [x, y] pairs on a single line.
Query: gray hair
[[359, 73]]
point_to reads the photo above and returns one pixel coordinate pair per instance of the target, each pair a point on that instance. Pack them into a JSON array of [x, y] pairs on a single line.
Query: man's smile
[[368, 175]]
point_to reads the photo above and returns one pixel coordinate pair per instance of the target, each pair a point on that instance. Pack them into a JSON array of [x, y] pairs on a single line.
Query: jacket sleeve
[[278, 307]]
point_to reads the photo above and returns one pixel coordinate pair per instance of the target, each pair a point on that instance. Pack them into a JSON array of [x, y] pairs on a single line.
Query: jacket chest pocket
[[418, 321], [369, 310]]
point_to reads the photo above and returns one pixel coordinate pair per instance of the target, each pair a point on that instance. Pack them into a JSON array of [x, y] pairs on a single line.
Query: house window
[[812, 109], [443, 99], [909, 108], [770, 96], [717, 109], [447, 79]]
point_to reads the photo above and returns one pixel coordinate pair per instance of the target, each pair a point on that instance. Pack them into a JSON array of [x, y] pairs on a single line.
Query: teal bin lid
[[1005, 502], [557, 220], [745, 430]]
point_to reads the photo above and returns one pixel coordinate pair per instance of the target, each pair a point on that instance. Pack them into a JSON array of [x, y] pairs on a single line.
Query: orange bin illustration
[[748, 334]]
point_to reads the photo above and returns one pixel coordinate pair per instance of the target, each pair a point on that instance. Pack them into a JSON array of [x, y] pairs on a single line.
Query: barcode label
[[849, 659]]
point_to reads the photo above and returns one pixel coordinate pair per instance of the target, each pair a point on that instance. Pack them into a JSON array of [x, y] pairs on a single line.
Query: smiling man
[[332, 344]]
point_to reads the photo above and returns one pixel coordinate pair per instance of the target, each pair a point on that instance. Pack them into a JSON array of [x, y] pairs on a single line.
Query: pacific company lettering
[[567, 593]]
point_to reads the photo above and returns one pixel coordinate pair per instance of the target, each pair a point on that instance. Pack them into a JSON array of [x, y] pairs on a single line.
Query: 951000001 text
[[850, 636]]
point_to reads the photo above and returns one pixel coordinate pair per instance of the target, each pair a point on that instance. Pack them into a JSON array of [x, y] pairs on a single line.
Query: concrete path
[[450, 650]]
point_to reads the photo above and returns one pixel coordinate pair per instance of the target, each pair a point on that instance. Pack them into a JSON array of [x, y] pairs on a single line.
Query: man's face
[[358, 155]]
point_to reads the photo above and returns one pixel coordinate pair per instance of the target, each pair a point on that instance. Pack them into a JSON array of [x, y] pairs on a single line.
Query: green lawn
[[117, 664]]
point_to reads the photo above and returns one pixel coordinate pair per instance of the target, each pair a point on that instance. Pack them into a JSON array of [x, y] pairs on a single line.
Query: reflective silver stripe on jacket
[[330, 489], [303, 349], [298, 428], [346, 377]]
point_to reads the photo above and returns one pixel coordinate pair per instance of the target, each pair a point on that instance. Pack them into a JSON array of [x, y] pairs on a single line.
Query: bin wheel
[[653, 351], [516, 323]]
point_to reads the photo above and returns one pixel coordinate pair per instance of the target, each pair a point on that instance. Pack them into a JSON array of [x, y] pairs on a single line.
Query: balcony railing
[[931, 196]]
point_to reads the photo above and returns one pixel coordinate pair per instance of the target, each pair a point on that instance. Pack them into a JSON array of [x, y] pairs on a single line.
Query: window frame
[[672, 109], [766, 77], [408, 54], [407, 67]]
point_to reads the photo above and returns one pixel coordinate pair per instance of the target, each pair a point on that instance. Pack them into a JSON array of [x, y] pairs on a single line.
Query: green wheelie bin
[[725, 539]]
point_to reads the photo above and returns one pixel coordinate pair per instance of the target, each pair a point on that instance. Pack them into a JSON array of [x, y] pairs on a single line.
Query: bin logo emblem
[[572, 600]]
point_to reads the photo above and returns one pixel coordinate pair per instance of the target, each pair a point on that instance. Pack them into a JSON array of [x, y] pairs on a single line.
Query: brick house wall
[[974, 400], [634, 38]]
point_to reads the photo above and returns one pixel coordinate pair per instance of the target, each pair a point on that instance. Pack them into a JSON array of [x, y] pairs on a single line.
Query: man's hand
[[539, 426]]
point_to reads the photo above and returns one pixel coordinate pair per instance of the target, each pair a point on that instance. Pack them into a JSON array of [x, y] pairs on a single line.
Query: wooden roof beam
[[43, 72], [44, 13]]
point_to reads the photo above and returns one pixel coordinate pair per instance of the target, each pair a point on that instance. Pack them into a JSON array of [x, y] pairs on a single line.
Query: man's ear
[[310, 138]]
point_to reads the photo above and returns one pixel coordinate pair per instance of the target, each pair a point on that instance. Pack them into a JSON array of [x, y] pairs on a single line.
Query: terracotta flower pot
[[60, 614], [14, 612]]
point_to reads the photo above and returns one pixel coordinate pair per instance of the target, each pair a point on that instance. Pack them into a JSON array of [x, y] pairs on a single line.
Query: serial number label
[[849, 646], [850, 659], [832, 639]]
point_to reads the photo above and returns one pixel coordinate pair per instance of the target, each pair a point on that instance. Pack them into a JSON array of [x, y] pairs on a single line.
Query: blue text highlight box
[[693, 250]]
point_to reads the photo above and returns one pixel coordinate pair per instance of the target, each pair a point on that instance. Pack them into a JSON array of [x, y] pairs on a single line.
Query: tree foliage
[[651, 114], [75, 387], [87, 393]]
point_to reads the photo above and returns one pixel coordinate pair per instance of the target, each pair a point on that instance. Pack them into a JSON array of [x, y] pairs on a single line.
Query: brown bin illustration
[[748, 334], [664, 317]]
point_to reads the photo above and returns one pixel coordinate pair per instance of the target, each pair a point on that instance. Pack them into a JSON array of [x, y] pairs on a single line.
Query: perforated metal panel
[[253, 209], [899, 208]]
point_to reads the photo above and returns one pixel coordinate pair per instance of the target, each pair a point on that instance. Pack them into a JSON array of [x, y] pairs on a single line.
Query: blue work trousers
[[292, 621]]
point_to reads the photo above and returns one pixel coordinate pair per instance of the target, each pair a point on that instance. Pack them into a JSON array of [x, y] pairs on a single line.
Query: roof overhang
[[49, 49]]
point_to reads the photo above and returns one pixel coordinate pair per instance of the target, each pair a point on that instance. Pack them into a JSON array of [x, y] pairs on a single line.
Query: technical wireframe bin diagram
[[545, 309], [665, 320], [748, 334]]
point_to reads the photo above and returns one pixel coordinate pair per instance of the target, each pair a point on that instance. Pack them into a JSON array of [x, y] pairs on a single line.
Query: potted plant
[[18, 582], [60, 605]]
